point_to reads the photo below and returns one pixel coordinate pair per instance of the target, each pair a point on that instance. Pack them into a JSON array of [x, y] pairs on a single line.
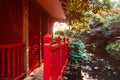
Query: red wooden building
[[22, 26]]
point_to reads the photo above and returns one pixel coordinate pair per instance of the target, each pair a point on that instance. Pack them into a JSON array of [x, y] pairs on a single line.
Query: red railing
[[55, 57], [12, 61]]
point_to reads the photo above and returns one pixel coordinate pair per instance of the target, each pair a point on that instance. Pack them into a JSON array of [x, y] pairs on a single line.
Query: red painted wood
[[2, 69], [55, 10], [34, 36], [55, 58], [11, 68], [18, 77], [22, 60], [11, 45], [47, 57], [18, 61], [14, 66], [8, 62], [11, 29], [10, 21]]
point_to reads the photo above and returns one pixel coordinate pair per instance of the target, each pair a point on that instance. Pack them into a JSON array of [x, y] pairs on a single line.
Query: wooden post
[[26, 34], [66, 47], [3, 65], [58, 41], [47, 57]]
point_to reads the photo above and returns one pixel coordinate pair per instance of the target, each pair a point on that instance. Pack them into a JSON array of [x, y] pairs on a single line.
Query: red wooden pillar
[[58, 41], [47, 57], [65, 47]]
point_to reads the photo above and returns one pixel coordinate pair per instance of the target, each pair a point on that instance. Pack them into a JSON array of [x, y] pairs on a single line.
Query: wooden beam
[[53, 7]]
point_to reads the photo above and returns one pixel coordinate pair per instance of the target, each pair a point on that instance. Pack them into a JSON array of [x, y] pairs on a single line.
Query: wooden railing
[[55, 57], [12, 61]]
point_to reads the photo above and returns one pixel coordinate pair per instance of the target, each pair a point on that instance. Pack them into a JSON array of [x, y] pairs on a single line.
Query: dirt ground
[[101, 67]]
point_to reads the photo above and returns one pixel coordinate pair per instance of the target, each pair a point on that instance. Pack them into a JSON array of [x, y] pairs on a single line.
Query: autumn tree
[[77, 9]]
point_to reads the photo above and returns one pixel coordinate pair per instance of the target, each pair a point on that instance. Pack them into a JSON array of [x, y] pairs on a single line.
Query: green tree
[[77, 9]]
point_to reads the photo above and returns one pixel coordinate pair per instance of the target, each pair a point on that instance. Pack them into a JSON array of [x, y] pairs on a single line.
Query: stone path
[[36, 74]]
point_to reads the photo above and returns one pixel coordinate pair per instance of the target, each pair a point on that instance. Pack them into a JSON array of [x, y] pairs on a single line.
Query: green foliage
[[98, 18], [80, 27], [114, 46], [77, 8], [107, 4], [105, 32], [111, 25], [77, 51], [80, 12], [111, 19], [114, 49], [98, 6], [60, 33]]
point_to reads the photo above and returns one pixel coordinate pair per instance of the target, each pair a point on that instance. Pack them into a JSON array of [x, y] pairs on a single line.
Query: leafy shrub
[[114, 49], [106, 32], [111, 25], [77, 51]]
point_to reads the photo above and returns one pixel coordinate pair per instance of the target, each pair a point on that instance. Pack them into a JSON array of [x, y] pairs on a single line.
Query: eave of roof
[[54, 8]]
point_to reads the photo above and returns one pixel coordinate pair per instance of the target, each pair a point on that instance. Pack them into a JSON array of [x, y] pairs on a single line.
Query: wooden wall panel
[[10, 21], [34, 36]]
